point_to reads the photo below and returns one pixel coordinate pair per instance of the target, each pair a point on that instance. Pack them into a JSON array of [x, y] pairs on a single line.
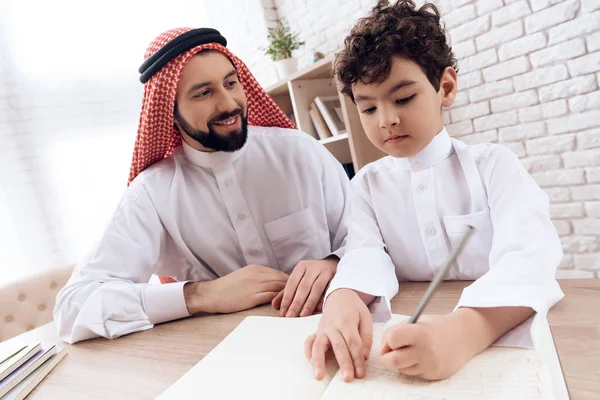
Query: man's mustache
[[226, 115]]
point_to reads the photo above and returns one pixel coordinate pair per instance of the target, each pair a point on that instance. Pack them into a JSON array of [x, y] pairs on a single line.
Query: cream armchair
[[28, 303]]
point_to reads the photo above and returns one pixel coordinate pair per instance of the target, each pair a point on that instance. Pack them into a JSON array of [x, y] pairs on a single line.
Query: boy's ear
[[448, 86]]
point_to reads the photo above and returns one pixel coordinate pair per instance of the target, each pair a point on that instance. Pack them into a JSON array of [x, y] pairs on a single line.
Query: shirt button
[[228, 182], [430, 231], [241, 216], [421, 188], [254, 252]]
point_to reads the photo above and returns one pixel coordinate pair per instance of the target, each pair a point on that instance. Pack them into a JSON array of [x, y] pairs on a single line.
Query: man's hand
[[305, 287], [438, 346], [245, 288], [346, 327]]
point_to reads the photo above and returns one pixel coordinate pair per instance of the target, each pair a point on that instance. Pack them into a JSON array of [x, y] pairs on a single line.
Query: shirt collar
[[437, 150], [215, 159]]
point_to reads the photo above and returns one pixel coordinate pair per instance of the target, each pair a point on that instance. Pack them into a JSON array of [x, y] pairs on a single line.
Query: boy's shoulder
[[489, 153], [372, 169], [485, 155]]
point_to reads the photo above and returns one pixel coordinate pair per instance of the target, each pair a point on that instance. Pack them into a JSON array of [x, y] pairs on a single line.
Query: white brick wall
[[244, 24], [529, 77]]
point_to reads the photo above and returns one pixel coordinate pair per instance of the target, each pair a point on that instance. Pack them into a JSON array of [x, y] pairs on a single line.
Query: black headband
[[175, 47]]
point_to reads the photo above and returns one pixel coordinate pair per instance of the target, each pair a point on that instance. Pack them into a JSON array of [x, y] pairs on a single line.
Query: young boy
[[410, 209]]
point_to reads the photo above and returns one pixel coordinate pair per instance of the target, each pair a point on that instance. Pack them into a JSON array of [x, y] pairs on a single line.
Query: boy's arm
[[525, 250], [366, 266]]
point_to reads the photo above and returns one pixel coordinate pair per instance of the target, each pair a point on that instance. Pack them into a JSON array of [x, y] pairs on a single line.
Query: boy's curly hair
[[390, 30]]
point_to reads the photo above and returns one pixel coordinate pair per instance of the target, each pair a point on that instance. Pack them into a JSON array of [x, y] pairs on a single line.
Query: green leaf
[[282, 42]]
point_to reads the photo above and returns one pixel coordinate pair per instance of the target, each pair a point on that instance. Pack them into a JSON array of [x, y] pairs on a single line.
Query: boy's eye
[[369, 110], [405, 100], [231, 84]]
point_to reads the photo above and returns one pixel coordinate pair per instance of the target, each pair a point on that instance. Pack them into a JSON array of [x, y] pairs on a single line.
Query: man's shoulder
[[161, 171], [280, 136]]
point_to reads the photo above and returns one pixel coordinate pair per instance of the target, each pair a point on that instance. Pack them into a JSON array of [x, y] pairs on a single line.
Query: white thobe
[[407, 214], [197, 216]]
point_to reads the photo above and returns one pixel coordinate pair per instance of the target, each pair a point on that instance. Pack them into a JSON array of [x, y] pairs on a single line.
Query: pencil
[[439, 277]]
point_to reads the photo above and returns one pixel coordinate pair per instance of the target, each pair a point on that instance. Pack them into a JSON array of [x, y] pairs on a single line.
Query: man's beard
[[212, 140]]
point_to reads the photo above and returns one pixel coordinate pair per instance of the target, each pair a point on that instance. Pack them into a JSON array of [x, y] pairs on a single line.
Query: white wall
[[69, 106], [529, 76], [244, 24]]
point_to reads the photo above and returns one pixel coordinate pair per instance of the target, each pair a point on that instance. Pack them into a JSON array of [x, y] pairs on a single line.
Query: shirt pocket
[[473, 261], [293, 238]]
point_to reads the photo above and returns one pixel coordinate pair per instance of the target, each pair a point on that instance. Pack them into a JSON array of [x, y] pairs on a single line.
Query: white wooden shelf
[[333, 139], [295, 95]]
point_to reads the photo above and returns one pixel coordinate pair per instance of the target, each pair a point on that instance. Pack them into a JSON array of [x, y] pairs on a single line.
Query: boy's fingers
[[401, 335], [319, 349], [400, 359], [414, 370], [308, 345], [357, 351], [365, 330], [342, 355]]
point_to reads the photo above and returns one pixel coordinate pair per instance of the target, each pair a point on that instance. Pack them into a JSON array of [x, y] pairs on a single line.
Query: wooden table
[[142, 365]]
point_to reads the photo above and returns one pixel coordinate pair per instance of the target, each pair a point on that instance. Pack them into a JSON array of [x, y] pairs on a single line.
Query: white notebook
[[263, 358]]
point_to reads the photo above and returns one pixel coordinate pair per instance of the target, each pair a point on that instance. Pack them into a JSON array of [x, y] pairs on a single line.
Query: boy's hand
[[434, 348], [346, 327], [438, 346], [305, 288]]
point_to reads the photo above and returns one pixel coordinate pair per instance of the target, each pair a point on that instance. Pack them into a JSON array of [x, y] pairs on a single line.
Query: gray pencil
[[439, 277]]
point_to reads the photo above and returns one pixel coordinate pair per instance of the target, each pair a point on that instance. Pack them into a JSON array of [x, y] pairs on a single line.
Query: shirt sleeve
[[336, 192], [525, 252], [366, 266], [108, 294]]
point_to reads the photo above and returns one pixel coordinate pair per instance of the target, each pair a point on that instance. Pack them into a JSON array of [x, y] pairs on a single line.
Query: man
[[224, 202]]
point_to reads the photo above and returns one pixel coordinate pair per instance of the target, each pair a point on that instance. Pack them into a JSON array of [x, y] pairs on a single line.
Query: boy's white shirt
[[406, 215]]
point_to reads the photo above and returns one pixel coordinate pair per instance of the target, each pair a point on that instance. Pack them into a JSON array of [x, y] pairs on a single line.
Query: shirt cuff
[[370, 272], [339, 253], [165, 302]]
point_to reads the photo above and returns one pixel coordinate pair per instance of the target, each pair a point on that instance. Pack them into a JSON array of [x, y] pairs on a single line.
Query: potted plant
[[282, 42]]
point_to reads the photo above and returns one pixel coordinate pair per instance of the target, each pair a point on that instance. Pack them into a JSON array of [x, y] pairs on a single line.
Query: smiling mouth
[[227, 122]]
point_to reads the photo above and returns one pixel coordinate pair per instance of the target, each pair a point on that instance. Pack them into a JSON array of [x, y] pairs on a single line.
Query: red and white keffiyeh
[[156, 136]]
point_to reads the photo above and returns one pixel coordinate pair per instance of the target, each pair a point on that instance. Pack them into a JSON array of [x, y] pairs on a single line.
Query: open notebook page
[[497, 373], [263, 358]]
